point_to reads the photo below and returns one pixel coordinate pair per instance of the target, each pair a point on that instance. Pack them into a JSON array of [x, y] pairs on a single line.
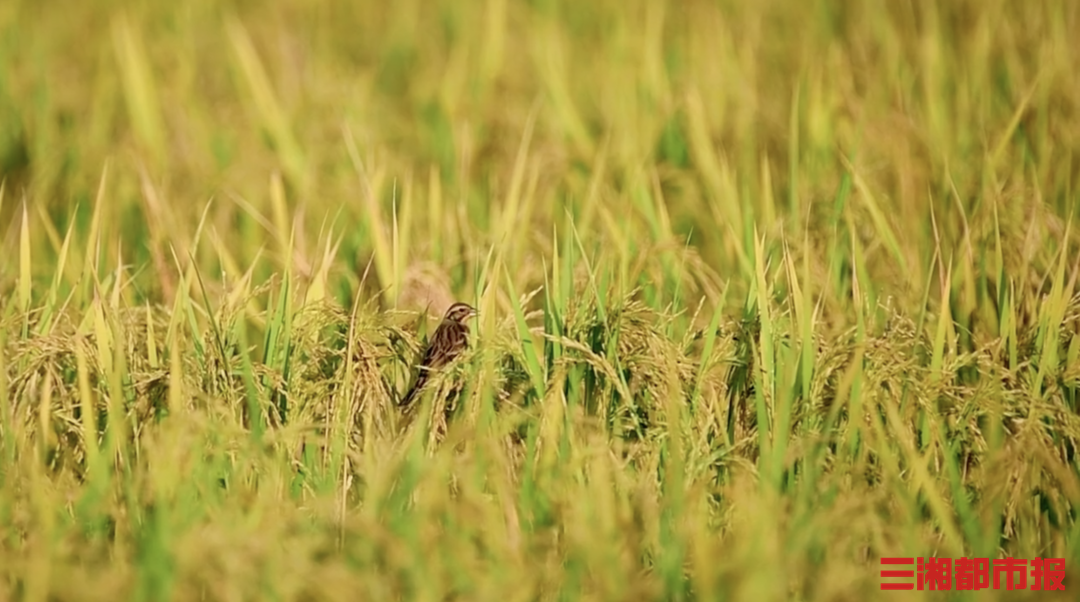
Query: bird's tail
[[414, 391]]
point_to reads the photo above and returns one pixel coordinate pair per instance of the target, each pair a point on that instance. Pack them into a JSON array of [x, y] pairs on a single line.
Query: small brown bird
[[449, 340]]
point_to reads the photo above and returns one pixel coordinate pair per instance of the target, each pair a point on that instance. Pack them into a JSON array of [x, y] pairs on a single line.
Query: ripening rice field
[[766, 292]]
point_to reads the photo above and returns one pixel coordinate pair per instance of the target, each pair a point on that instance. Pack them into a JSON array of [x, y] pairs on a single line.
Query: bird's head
[[460, 312]]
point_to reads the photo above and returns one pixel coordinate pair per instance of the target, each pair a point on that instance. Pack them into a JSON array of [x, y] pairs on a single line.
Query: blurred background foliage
[[736, 117]]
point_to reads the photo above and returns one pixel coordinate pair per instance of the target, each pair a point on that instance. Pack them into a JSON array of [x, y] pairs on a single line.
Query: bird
[[448, 341]]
